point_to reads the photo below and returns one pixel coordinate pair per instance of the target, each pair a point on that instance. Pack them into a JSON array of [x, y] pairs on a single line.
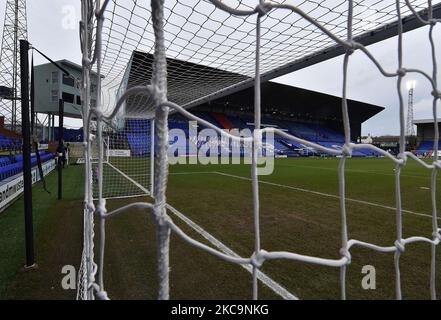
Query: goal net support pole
[[152, 157], [106, 146]]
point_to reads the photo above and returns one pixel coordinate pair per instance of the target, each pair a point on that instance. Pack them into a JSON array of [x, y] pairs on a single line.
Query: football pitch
[[299, 213]]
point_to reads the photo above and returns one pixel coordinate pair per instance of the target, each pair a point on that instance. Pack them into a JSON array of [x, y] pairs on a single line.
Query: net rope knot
[[161, 219], [258, 258], [436, 94], [90, 206], [102, 295], [352, 46], [345, 253], [98, 113], [437, 236], [101, 208], [91, 279], [263, 8], [91, 283], [400, 245], [157, 93], [403, 159], [402, 72], [347, 150]]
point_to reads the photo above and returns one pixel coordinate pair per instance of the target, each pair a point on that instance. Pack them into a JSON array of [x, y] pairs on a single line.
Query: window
[[55, 77], [68, 97], [54, 95], [68, 81], [79, 100]]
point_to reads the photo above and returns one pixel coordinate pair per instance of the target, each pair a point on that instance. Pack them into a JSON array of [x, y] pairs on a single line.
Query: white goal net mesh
[[243, 42], [126, 168]]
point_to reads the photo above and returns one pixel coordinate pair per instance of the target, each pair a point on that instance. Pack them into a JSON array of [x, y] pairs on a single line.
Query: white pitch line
[[325, 194], [190, 172], [359, 171], [123, 197], [173, 173], [270, 283], [130, 179]]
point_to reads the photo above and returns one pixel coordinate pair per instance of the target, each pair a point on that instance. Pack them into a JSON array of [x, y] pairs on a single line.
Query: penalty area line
[[130, 179], [266, 280]]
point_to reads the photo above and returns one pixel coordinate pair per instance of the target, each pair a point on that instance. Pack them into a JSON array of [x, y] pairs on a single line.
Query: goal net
[[157, 57], [127, 169]]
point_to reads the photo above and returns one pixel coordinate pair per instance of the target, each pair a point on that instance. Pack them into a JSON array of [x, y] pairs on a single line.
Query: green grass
[[116, 184], [308, 223], [293, 217], [54, 223]]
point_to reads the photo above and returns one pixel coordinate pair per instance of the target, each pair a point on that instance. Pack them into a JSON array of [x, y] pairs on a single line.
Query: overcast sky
[[51, 33]]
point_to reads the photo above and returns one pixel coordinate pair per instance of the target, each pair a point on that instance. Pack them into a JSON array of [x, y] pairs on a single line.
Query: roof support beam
[[388, 31]]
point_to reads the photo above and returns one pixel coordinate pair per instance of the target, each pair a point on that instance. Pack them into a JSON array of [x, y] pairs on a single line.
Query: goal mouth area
[[120, 182], [211, 52]]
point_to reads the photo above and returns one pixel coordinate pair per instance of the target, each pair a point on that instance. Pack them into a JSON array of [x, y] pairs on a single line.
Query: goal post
[[94, 149], [152, 157]]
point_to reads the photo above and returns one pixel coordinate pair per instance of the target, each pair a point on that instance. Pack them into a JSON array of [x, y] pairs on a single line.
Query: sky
[[53, 28]]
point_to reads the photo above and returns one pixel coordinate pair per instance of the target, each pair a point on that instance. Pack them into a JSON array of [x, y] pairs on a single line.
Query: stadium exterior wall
[[51, 85]]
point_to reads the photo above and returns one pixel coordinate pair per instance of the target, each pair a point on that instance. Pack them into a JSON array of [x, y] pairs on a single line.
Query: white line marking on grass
[[270, 283], [424, 188], [326, 194], [194, 172], [359, 171], [141, 195], [130, 179], [173, 173]]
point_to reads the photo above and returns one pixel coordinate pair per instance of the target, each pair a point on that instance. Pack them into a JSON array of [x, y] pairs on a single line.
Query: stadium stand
[[307, 114], [426, 148], [9, 143], [138, 137], [137, 134], [13, 164]]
